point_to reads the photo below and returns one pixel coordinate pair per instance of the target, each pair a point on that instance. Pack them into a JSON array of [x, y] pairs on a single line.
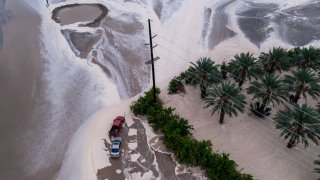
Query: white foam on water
[[134, 157], [118, 171], [182, 29], [146, 176], [36, 5], [284, 4], [133, 146], [132, 132]]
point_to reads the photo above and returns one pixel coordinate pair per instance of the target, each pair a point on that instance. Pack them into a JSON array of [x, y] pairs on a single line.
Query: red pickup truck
[[117, 126]]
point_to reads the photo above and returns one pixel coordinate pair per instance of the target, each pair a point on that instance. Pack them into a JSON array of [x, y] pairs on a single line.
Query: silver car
[[116, 147]]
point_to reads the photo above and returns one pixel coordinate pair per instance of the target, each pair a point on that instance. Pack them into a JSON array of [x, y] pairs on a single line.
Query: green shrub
[[260, 110], [178, 139], [142, 105], [175, 86]]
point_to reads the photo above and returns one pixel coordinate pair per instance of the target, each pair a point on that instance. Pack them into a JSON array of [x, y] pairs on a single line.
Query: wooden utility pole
[[152, 62]]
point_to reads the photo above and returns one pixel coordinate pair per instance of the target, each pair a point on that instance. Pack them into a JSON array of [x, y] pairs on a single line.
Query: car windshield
[[115, 150]]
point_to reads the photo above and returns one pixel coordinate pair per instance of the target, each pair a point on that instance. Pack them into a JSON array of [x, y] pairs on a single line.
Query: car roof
[[117, 122], [115, 145], [116, 139]]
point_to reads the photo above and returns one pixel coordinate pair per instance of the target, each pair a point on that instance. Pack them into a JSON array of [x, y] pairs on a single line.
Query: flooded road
[[142, 157]]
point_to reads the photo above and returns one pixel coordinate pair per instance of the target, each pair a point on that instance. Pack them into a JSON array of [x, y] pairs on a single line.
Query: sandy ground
[[252, 142]]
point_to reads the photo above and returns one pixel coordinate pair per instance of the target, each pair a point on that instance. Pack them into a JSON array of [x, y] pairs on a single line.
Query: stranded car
[[116, 147], [117, 126]]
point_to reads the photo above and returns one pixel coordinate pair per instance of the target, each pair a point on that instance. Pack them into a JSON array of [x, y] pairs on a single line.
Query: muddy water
[[219, 31], [116, 46], [139, 158], [20, 70], [77, 13], [297, 26], [300, 25], [256, 15], [34, 132]]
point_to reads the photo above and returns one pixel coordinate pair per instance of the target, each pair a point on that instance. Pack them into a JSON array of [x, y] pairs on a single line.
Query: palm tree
[[204, 72], [298, 124], [303, 81], [226, 99], [275, 60], [317, 162], [307, 57], [223, 67], [244, 66], [269, 89]]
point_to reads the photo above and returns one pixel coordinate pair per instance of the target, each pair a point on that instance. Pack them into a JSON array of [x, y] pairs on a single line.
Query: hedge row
[[178, 139]]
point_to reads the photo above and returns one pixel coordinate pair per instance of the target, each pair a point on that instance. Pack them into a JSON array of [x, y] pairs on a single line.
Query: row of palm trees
[[271, 87]]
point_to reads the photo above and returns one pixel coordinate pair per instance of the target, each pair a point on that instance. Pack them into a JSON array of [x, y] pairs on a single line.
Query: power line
[[237, 99], [239, 78], [247, 105], [277, 141], [254, 119]]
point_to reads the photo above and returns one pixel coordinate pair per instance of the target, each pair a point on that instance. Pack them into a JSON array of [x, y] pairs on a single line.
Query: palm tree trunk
[[291, 143], [264, 104], [222, 116], [224, 74], [240, 82], [297, 96], [270, 69], [203, 90]]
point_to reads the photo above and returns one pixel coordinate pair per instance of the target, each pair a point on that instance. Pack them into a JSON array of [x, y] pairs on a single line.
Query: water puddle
[[69, 14]]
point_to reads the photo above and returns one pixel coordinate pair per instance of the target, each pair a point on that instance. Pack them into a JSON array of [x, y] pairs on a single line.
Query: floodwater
[[77, 13], [37, 121], [21, 66], [254, 21], [219, 31], [300, 25], [297, 26], [141, 158], [35, 131]]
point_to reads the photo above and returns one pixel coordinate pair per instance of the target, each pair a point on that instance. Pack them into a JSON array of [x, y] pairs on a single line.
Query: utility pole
[[152, 61]]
